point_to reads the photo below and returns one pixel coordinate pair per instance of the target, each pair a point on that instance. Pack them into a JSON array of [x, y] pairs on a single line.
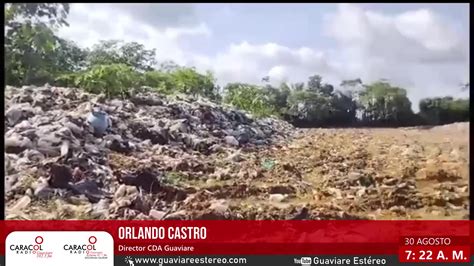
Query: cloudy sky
[[422, 47]]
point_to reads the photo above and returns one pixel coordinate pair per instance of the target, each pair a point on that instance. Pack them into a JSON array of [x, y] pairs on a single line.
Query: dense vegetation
[[35, 55]]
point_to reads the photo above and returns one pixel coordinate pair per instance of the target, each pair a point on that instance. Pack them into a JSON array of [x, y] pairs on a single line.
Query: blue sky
[[422, 47], [287, 24]]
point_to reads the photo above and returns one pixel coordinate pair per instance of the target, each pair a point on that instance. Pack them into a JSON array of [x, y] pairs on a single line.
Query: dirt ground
[[373, 173]]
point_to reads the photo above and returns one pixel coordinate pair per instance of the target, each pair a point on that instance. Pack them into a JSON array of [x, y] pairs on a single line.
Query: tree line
[[35, 55]]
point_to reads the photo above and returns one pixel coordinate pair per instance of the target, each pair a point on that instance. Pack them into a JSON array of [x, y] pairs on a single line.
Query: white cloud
[[414, 36], [278, 72], [90, 23], [248, 62], [417, 49], [428, 29]]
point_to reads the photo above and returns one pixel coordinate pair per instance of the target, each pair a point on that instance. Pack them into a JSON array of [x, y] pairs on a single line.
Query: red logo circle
[[39, 240], [92, 240]]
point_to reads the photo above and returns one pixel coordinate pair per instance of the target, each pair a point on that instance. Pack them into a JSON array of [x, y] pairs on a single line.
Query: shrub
[[112, 80], [248, 97]]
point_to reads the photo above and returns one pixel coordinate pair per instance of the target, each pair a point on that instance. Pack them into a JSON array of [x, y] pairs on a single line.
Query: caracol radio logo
[[88, 248], [35, 248], [82, 248]]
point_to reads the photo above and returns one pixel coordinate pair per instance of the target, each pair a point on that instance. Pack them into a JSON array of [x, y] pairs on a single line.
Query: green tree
[[168, 66], [112, 80], [351, 83], [382, 103], [345, 108], [277, 97], [315, 84], [118, 52], [30, 42], [297, 86], [189, 81], [443, 110], [70, 57], [183, 80], [248, 97], [310, 108]]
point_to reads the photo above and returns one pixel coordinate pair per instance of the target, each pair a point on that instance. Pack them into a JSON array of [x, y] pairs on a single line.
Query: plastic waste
[[268, 164], [99, 121]]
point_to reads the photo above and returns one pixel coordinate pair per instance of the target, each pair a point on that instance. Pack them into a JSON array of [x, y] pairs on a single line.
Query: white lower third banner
[[59, 248]]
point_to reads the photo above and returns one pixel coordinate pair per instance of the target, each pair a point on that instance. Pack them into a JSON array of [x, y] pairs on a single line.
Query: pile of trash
[[65, 146], [73, 155]]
